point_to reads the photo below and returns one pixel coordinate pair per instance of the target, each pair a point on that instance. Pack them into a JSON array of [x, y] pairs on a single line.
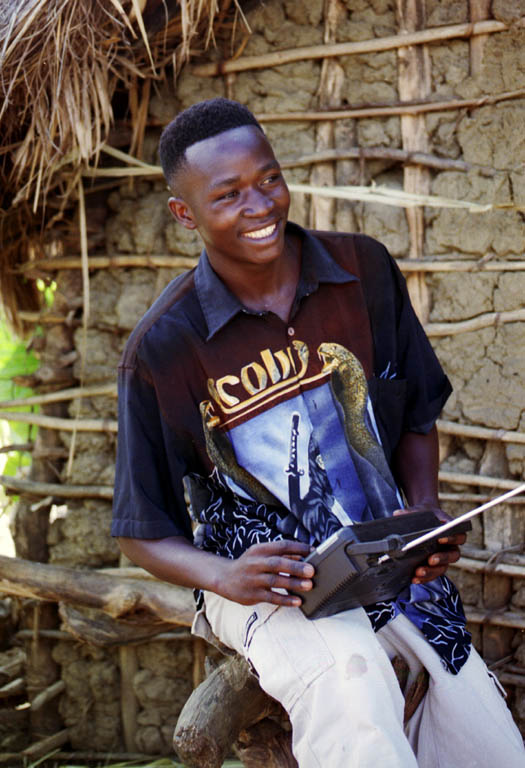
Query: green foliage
[[48, 289], [15, 360]]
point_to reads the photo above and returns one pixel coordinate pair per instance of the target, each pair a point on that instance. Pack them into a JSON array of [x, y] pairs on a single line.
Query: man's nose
[[257, 203]]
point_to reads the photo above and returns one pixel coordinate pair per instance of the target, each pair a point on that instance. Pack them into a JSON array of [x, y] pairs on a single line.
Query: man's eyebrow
[[274, 165], [225, 182]]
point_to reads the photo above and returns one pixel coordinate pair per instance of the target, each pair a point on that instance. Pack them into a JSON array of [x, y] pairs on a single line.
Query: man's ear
[[181, 211]]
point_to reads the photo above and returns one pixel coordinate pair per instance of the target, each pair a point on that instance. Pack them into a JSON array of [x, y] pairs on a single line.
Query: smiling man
[[288, 384]]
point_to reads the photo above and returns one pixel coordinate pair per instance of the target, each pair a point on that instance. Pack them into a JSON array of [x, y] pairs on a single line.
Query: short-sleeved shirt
[[281, 429]]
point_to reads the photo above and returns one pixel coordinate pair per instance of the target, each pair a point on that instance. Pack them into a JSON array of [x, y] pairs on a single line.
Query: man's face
[[233, 193]]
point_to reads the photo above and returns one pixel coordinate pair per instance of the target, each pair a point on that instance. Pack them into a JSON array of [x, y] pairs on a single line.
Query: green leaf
[[15, 360]]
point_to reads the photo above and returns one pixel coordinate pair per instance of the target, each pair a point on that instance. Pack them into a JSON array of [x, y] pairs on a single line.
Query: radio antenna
[[436, 532]]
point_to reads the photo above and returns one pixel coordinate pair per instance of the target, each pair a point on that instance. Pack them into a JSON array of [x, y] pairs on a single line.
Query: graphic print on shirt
[[269, 445]]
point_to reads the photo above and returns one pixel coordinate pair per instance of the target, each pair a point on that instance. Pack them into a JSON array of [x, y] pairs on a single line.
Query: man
[[288, 382]]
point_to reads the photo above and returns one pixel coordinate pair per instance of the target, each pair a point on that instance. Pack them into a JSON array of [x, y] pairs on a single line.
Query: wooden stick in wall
[[479, 11], [387, 111], [128, 662], [56, 490], [482, 433], [389, 43], [161, 260], [488, 320], [414, 83], [329, 96], [56, 422]]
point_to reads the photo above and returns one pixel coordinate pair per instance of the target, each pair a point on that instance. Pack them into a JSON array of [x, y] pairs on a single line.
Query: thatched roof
[[61, 62]]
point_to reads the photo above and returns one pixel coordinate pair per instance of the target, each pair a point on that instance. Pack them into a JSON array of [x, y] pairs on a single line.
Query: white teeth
[[258, 234]]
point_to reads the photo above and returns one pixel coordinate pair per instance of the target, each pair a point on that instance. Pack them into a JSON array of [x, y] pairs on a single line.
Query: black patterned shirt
[[281, 429]]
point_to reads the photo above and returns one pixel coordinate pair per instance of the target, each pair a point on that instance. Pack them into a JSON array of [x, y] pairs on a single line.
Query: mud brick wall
[[486, 366]]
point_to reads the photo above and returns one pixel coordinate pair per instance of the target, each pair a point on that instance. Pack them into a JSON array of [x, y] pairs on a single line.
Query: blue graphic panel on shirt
[[289, 462], [332, 408]]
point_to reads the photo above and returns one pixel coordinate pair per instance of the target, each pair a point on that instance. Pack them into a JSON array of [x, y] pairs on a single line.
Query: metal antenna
[[466, 516], [437, 532]]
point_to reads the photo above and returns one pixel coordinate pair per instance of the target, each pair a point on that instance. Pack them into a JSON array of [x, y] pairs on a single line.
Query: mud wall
[[486, 366]]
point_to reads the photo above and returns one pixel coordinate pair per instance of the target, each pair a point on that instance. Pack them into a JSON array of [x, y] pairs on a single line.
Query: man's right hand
[[249, 579], [263, 568]]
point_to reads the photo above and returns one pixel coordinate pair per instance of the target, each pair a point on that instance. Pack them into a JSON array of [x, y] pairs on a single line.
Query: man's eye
[[272, 178], [228, 195]]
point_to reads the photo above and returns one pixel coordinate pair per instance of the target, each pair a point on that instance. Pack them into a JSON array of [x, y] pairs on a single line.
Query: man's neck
[[272, 288]]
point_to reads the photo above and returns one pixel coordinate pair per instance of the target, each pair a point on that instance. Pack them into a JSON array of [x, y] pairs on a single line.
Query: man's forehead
[[222, 148]]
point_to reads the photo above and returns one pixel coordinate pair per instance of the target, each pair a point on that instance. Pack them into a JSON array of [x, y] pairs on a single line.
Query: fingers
[[284, 547], [267, 572], [436, 565], [291, 569], [457, 540], [281, 581]]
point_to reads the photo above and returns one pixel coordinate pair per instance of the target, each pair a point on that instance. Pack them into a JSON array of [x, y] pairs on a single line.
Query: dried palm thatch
[[60, 64]]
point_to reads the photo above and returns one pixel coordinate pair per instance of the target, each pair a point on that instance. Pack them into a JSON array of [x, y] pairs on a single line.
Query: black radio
[[364, 563]]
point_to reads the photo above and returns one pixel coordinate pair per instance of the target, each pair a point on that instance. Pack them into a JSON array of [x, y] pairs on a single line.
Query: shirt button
[[291, 331]]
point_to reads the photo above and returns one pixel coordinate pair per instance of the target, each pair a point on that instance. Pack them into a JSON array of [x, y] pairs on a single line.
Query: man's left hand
[[447, 553]]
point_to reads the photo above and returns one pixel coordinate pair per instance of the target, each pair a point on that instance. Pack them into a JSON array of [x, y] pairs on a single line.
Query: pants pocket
[[289, 654]]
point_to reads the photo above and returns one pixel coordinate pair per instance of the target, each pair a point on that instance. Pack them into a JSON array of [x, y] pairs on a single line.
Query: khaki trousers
[[334, 677]]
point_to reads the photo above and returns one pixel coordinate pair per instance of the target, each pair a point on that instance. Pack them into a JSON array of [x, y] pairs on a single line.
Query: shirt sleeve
[[149, 496]]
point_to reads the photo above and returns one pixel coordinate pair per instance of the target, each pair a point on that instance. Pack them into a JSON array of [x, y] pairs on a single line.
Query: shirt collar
[[219, 305]]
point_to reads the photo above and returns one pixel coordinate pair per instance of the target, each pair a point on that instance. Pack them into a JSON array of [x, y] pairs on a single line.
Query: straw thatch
[[61, 63]]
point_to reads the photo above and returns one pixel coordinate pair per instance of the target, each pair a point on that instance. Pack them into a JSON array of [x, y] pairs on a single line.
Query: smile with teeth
[[259, 234]]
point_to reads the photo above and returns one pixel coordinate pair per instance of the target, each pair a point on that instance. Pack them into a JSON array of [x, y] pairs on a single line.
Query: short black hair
[[196, 123]]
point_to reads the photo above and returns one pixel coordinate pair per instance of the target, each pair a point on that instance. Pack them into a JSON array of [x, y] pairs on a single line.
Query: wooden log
[[477, 566], [508, 678], [386, 153], [14, 687], [229, 701], [504, 556], [479, 11], [266, 744], [441, 265], [55, 422], [57, 634], [17, 447], [72, 393], [487, 320], [131, 599], [13, 668], [474, 498], [463, 479], [329, 95], [89, 625], [129, 665], [47, 745], [389, 111], [199, 648], [49, 693], [56, 490], [415, 83], [128, 572], [510, 619], [110, 262], [483, 433], [324, 51]]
